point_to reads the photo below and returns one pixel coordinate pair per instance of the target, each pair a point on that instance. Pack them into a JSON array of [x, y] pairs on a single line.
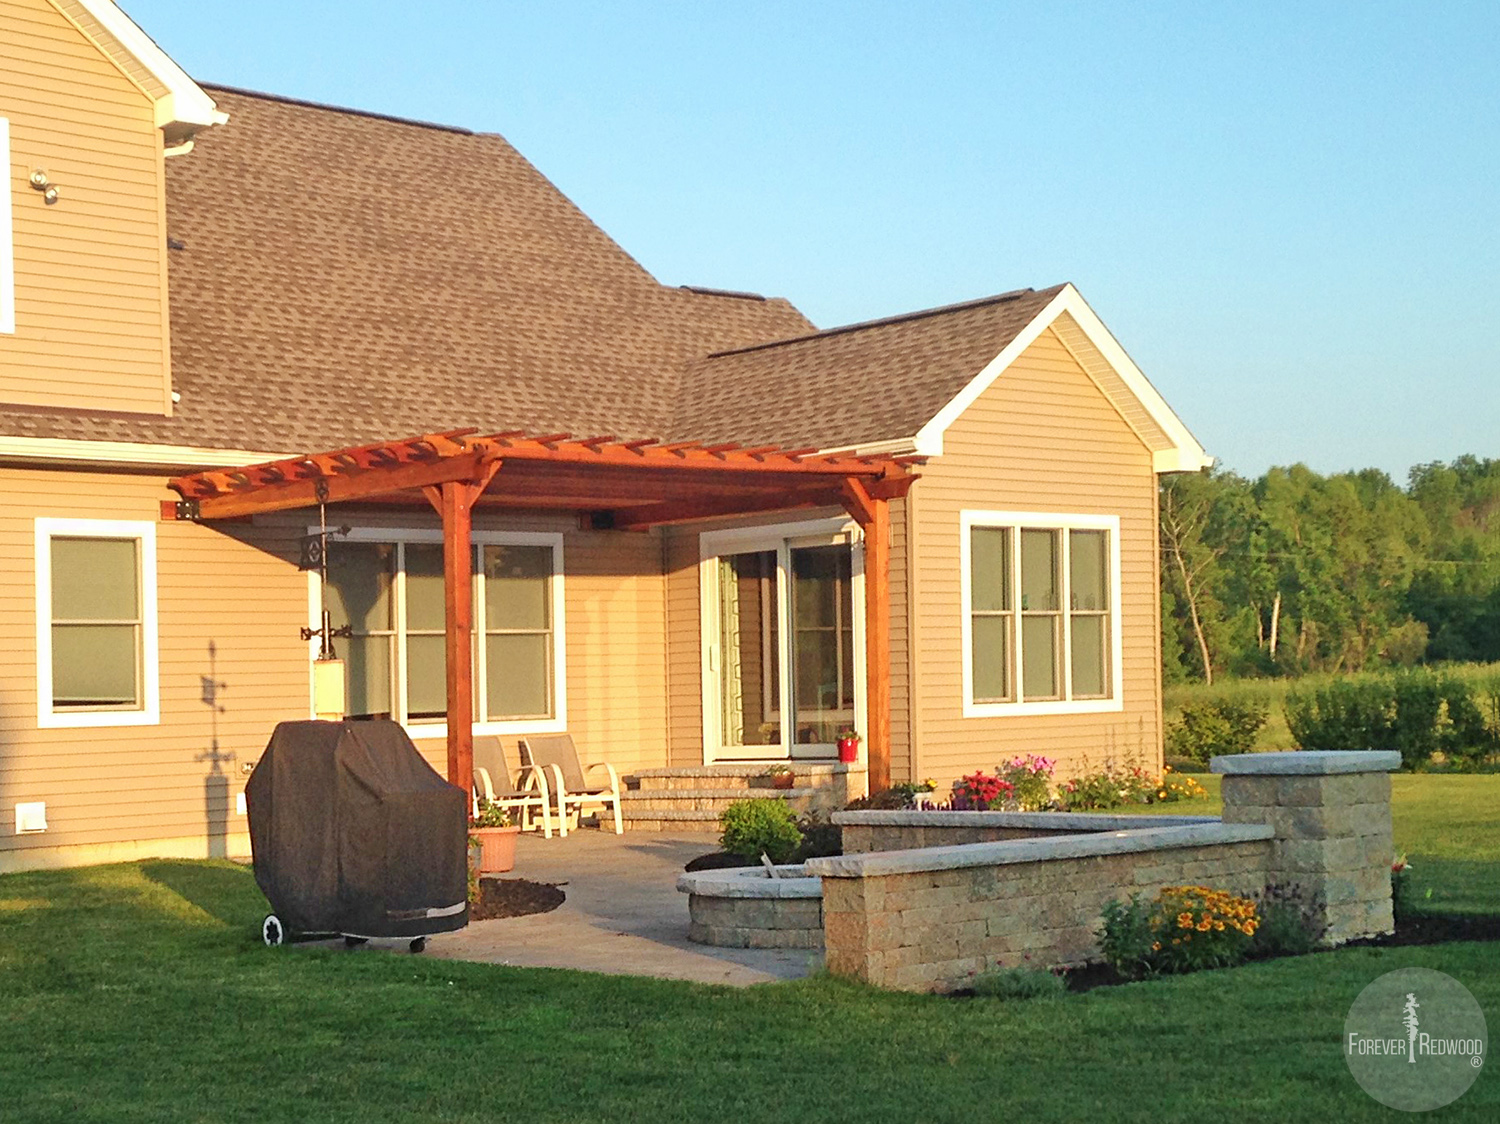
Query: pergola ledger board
[[641, 484]]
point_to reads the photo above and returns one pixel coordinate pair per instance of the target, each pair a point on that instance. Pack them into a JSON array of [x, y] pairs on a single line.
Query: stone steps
[[710, 799], [690, 798], [749, 775]]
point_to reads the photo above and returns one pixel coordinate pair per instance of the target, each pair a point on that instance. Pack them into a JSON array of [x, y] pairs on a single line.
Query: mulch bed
[[514, 897], [718, 860], [1421, 930]]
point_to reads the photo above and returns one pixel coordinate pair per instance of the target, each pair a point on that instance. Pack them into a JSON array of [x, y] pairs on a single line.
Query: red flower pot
[[848, 750], [782, 780]]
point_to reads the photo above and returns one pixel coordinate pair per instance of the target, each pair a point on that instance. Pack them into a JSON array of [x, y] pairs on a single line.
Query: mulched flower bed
[[514, 897], [1409, 931]]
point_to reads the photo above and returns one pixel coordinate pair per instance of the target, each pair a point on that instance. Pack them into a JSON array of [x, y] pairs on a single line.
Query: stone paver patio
[[623, 915]]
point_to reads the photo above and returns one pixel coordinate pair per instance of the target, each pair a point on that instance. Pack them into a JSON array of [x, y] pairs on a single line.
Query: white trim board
[[108, 454], [1182, 453], [144, 533]]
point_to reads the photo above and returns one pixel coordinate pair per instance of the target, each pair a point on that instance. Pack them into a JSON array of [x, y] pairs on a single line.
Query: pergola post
[[458, 613], [871, 511], [878, 645]]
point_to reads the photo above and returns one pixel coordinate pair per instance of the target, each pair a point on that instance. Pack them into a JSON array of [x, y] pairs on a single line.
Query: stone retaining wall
[[744, 908], [929, 918], [902, 830], [933, 918]]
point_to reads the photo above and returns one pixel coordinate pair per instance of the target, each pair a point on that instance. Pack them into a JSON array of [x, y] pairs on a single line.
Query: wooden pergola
[[617, 485]]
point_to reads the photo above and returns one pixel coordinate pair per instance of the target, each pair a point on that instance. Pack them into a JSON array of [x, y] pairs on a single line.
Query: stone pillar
[[1331, 814]]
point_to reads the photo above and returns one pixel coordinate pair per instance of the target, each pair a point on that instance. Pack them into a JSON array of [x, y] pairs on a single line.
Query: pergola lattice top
[[640, 482]]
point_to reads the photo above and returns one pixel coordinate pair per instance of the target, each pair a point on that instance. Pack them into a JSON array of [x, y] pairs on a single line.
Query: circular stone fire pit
[[747, 908]]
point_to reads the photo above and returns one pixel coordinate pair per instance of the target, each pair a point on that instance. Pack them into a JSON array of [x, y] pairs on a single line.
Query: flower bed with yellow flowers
[[1181, 929]]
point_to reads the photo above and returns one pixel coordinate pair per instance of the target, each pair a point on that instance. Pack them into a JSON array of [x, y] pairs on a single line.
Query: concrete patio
[[623, 915]]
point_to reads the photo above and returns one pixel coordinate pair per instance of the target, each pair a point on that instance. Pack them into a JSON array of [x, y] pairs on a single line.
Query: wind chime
[[328, 669]]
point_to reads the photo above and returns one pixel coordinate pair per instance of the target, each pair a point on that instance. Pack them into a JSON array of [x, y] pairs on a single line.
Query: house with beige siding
[[683, 524]]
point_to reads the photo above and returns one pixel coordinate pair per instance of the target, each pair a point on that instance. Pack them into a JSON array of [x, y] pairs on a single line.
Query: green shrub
[[1215, 727], [820, 837], [1106, 788], [1020, 983], [1418, 713], [1182, 929], [883, 800], [1289, 923], [751, 828]]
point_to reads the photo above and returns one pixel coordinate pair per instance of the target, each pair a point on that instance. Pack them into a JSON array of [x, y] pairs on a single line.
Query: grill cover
[[353, 832]]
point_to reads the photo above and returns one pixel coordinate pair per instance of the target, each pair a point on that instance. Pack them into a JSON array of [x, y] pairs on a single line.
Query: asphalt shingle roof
[[338, 278]]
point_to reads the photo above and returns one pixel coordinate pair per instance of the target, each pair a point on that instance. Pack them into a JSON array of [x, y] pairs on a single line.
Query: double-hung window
[[388, 587], [96, 623], [1041, 621]]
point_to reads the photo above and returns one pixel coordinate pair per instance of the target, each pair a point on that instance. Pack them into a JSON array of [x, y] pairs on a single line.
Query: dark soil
[[514, 897], [1435, 929]]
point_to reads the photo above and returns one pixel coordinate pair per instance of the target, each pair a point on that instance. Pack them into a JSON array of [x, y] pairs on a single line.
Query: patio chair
[[556, 753], [495, 781]]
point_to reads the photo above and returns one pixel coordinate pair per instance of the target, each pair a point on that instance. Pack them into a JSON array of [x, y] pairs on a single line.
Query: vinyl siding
[[231, 602], [90, 271], [1042, 438]]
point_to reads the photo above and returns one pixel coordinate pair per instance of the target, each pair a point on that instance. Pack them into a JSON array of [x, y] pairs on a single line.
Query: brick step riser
[[754, 782], [714, 804]]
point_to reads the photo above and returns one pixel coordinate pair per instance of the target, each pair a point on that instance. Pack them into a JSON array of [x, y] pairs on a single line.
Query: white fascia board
[[186, 103], [893, 448], [107, 454], [1184, 455]]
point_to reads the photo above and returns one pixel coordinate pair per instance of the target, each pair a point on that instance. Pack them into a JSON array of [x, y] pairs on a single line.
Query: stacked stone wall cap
[[1307, 763]]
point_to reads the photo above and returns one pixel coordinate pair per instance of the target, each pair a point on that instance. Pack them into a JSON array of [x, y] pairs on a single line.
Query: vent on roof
[[736, 294]]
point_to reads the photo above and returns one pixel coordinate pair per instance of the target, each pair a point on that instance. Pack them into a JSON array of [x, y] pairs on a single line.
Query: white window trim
[[775, 536], [420, 731], [7, 243], [144, 533], [1016, 520]]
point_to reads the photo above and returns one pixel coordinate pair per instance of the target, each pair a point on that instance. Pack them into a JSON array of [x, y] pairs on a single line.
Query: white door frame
[[780, 537]]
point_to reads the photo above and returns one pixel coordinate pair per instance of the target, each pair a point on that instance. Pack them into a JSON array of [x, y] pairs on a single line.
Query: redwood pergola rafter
[[626, 485]]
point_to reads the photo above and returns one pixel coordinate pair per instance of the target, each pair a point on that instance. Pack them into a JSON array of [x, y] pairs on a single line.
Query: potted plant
[[496, 832], [781, 776], [848, 745]]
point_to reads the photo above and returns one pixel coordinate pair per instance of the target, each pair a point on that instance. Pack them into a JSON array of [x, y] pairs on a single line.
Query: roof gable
[[182, 107], [1173, 447]]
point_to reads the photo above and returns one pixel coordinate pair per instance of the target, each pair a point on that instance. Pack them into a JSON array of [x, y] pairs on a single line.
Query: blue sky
[[1286, 212]]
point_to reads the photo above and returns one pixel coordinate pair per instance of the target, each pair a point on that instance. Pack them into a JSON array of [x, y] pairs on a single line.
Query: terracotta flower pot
[[848, 750], [782, 780], [497, 848]]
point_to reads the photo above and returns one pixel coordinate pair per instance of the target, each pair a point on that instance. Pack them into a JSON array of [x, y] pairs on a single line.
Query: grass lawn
[[140, 992]]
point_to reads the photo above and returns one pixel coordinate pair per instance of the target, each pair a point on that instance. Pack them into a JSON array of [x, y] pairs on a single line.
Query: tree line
[[1297, 572]]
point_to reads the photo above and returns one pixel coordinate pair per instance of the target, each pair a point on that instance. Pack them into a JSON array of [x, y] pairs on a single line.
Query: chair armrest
[[485, 789], [614, 777], [557, 777], [534, 773]]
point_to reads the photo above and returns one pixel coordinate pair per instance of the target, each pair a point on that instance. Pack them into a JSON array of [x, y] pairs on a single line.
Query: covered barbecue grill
[[353, 833]]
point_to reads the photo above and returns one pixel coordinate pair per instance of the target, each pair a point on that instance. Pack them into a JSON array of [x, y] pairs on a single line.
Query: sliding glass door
[[780, 649]]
